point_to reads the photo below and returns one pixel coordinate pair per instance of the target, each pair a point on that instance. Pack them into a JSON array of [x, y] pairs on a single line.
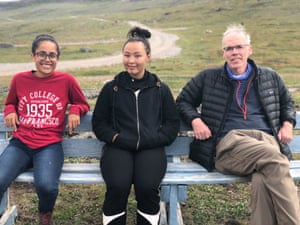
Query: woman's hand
[[12, 120], [73, 122]]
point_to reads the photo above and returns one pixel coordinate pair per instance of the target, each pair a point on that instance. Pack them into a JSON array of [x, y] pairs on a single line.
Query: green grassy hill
[[273, 24], [102, 26]]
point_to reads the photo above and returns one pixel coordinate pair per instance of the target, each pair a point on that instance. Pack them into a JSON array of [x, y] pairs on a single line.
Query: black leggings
[[144, 169]]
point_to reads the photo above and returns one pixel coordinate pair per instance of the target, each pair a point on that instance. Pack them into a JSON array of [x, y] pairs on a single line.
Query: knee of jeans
[[46, 187]]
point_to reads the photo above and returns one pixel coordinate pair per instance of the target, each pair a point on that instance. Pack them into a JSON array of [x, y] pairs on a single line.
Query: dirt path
[[162, 45]]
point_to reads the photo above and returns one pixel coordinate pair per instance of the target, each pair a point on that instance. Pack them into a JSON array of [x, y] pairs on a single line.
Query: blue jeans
[[47, 163]]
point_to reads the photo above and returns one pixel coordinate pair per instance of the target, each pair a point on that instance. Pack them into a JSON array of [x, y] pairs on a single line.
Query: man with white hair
[[244, 124]]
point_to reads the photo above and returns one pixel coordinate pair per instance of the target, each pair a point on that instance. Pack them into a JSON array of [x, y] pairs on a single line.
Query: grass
[[102, 26], [81, 204], [84, 204]]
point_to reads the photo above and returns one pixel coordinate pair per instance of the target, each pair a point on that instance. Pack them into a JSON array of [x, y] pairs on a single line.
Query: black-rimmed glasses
[[44, 55]]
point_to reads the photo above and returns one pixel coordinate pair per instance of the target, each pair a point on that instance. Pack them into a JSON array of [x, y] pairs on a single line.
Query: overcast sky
[[10, 0]]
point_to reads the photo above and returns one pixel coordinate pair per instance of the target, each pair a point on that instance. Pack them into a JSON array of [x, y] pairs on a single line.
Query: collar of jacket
[[250, 61], [124, 80]]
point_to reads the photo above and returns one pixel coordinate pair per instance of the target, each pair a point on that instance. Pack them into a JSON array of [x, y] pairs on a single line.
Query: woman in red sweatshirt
[[35, 108]]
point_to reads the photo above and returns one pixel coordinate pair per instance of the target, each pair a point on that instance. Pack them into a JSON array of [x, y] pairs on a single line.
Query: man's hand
[[285, 133], [201, 130], [73, 122], [12, 120]]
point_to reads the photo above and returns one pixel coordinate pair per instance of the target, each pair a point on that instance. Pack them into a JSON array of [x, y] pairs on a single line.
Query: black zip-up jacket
[[145, 120], [212, 91]]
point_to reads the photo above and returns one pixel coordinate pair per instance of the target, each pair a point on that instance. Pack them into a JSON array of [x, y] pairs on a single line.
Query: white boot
[[108, 220], [151, 219]]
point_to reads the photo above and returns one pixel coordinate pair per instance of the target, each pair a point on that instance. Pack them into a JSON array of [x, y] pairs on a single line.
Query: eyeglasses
[[44, 55], [237, 47]]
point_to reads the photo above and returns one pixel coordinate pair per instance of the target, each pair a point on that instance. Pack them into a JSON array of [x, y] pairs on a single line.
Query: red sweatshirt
[[41, 104]]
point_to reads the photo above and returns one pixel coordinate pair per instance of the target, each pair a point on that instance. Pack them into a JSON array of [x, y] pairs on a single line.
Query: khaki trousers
[[274, 198]]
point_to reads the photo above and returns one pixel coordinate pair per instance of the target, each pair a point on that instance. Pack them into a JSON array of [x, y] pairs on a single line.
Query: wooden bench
[[180, 173]]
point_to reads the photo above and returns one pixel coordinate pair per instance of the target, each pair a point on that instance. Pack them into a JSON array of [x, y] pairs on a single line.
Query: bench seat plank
[[183, 167], [185, 173], [67, 178], [190, 167]]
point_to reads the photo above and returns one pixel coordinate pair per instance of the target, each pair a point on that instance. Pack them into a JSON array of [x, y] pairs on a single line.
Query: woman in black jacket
[[135, 115]]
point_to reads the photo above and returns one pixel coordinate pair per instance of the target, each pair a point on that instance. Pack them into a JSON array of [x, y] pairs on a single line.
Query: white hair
[[237, 28]]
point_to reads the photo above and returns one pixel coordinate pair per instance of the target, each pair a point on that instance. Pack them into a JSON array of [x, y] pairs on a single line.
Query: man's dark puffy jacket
[[211, 92], [144, 122]]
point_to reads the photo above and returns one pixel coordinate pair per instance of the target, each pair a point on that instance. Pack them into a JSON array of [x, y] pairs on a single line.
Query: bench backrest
[[86, 145]]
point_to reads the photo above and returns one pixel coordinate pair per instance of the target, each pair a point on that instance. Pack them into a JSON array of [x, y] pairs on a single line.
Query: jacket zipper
[[243, 107], [136, 93]]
